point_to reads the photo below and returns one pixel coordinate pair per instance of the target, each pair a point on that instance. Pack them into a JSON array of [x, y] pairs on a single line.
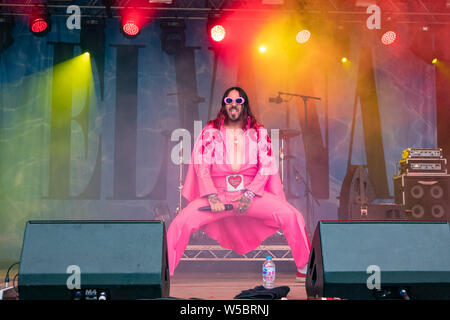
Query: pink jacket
[[209, 156]]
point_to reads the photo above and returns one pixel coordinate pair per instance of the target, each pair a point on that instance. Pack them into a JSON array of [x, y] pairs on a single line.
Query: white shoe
[[300, 275]]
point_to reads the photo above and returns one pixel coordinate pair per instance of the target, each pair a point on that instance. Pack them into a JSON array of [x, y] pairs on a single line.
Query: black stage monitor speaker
[[380, 260], [90, 260]]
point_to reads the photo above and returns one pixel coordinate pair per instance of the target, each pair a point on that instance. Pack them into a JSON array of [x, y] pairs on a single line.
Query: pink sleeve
[[266, 163], [203, 155]]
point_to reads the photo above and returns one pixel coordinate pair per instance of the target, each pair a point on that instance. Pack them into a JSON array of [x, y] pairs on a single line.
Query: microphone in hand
[[228, 207]]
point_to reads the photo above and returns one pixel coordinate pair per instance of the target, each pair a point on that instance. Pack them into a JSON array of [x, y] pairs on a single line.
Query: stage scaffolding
[[217, 253]]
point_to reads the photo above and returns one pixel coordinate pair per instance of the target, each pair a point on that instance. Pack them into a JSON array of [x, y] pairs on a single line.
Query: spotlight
[[262, 49], [215, 28], [303, 36], [217, 33], [92, 41], [40, 23], [131, 22], [434, 61], [388, 38], [337, 38], [92, 34], [130, 28], [6, 26], [173, 37], [388, 32], [423, 44]]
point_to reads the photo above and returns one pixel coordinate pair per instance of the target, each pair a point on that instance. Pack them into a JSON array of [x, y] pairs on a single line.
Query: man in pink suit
[[232, 162]]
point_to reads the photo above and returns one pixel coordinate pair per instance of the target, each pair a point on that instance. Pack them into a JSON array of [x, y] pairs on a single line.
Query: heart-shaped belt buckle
[[235, 182]]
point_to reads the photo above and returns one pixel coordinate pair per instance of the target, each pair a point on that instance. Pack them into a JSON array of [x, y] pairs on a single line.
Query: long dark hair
[[246, 112]]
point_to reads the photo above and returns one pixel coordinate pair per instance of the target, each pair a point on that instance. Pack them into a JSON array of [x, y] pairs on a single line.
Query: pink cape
[[239, 233]]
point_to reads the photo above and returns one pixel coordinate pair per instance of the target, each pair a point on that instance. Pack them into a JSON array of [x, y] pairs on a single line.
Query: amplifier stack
[[422, 160], [422, 184]]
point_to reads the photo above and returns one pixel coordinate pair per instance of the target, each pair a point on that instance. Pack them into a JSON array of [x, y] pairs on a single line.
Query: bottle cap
[[269, 257]]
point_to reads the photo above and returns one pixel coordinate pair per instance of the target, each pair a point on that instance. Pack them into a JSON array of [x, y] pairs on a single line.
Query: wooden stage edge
[[221, 286]]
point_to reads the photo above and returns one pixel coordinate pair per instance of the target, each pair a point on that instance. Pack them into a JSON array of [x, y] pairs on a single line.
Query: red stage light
[[130, 28], [39, 21], [38, 25], [217, 33], [388, 38]]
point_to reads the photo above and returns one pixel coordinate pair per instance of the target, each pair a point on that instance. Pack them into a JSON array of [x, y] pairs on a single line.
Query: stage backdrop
[[88, 136]]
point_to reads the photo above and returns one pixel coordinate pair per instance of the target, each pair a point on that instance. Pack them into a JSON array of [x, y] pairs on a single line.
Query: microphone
[[208, 208], [277, 100]]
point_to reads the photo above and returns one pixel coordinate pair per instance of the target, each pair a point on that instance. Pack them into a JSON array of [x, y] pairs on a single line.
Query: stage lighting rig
[[6, 26], [92, 33], [303, 36], [388, 37], [130, 28], [216, 29], [389, 34], [173, 36], [217, 32], [40, 22], [132, 21], [423, 43], [92, 40], [303, 29], [341, 42], [107, 4]]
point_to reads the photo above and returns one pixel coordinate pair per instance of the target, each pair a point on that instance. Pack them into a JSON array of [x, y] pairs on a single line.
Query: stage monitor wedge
[[365, 260], [90, 260]]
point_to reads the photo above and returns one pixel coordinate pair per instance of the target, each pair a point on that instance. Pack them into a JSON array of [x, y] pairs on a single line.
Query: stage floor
[[221, 286], [225, 286]]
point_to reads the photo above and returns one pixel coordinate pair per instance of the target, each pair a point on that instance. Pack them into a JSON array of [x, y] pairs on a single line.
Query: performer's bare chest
[[235, 148]]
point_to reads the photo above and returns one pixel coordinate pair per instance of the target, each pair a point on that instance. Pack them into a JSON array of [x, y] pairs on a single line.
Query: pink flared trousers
[[239, 232]]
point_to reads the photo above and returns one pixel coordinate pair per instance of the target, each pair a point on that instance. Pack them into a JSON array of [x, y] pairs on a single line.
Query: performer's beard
[[234, 116]]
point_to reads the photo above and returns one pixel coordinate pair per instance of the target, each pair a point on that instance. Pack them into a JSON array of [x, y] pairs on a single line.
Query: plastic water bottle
[[268, 272]]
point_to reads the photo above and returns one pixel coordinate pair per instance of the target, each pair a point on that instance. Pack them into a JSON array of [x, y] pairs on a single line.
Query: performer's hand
[[216, 204], [242, 205]]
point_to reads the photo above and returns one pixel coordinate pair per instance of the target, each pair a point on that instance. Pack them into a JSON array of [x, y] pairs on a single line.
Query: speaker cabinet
[[377, 260], [94, 260], [426, 197]]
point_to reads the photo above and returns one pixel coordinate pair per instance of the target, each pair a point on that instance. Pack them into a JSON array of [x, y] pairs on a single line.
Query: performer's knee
[[286, 214], [187, 219]]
